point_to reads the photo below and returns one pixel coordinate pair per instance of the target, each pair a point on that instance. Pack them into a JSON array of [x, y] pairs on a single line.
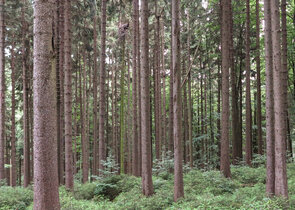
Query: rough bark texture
[[176, 69], [248, 93], [68, 96], [95, 144], [13, 138], [281, 188], [285, 67], [135, 152], [25, 100], [102, 99], [44, 87], [259, 125], [2, 91], [61, 139], [190, 109], [224, 147], [84, 137], [147, 184]]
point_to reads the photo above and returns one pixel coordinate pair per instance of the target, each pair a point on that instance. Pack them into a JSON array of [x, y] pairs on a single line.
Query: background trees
[[196, 73]]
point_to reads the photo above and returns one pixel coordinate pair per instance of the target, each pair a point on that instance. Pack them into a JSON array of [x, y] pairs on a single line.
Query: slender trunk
[[176, 68], [102, 99], [225, 54], [13, 104], [95, 144], [68, 96], [25, 101], [279, 79], [61, 139], [163, 74], [135, 152], [259, 124], [248, 146], [190, 110], [147, 184], [84, 139], [44, 87]]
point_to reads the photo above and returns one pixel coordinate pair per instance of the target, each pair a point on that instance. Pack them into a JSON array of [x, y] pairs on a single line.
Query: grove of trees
[[91, 89]]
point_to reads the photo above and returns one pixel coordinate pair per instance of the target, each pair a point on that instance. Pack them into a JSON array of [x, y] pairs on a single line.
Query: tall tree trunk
[[2, 91], [279, 79], [68, 96], [234, 101], [163, 74], [248, 146], [259, 125], [13, 138], [285, 63], [84, 138], [225, 54], [102, 99], [135, 152], [190, 109], [45, 148], [147, 184], [25, 101], [61, 139], [176, 69], [95, 144]]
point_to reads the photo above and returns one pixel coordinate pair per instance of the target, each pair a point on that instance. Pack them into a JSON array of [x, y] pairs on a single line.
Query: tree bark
[[176, 69], [259, 124], [147, 184], [95, 144], [13, 138], [279, 79], [102, 99], [225, 54], [44, 87], [248, 146], [25, 101], [68, 97], [135, 152]]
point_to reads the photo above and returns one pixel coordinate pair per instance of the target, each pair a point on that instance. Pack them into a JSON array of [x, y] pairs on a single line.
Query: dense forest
[[137, 104]]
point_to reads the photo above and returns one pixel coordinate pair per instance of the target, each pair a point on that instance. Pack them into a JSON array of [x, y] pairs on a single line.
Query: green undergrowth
[[203, 190]]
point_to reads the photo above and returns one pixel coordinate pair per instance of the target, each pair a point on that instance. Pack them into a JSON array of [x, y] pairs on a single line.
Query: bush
[[15, 198], [84, 191]]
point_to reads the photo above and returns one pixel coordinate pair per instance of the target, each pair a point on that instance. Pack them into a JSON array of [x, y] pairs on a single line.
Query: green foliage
[[203, 190], [15, 198], [84, 191]]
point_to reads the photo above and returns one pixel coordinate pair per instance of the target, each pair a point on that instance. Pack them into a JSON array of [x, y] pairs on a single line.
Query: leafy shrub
[[84, 191], [249, 176], [15, 198]]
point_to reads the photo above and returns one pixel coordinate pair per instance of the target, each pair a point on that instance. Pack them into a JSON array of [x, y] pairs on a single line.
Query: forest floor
[[203, 190]]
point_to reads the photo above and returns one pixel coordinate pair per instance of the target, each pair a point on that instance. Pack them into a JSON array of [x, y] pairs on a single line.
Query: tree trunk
[[135, 152], [259, 125], [176, 69], [68, 97], [61, 139], [279, 79], [95, 144], [84, 139], [225, 54], [102, 99], [13, 138], [45, 148], [248, 146], [25, 101], [147, 184]]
